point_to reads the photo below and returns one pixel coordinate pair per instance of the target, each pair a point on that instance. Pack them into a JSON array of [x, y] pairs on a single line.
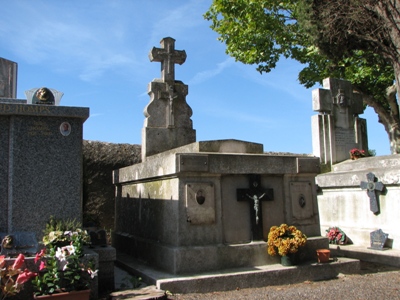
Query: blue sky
[[96, 52]]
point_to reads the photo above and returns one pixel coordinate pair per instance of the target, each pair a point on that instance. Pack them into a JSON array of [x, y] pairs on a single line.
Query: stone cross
[[371, 186], [337, 128], [255, 195], [167, 124], [168, 57]]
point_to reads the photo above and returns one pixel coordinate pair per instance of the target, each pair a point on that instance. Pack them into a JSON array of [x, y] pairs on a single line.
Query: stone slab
[[230, 279], [179, 161], [352, 172], [390, 257]]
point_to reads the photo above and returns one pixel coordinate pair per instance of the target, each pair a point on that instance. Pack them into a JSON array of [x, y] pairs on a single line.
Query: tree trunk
[[389, 119]]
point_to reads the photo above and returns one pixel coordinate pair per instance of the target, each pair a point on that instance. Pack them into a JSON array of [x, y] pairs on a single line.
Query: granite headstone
[[378, 240]]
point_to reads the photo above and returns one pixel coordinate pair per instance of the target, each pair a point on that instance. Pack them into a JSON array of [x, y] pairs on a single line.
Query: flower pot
[[73, 295], [286, 261], [323, 255]]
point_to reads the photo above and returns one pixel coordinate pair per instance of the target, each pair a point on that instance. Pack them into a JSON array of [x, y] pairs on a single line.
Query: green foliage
[[62, 265], [256, 32], [371, 152], [260, 32], [61, 225]]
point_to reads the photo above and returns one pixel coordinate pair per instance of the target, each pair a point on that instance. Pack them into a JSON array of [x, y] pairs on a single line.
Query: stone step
[[390, 257], [250, 277]]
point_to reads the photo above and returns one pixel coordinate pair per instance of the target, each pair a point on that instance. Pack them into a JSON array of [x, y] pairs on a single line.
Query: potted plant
[[13, 277], [63, 269], [356, 153], [285, 240], [336, 236]]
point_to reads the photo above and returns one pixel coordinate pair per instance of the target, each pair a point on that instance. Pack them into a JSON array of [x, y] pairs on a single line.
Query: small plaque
[[200, 203], [301, 196], [192, 163], [378, 240], [65, 129], [15, 243]]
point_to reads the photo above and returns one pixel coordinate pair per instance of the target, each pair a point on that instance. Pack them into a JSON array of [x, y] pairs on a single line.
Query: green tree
[[329, 37]]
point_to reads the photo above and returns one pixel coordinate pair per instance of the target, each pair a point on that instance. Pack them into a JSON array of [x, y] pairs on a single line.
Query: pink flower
[[42, 266], [2, 260], [18, 262], [40, 255], [25, 276]]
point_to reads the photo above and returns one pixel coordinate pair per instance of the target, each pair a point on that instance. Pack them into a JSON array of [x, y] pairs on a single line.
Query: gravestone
[[337, 128], [188, 206], [41, 165], [41, 161], [378, 240], [167, 124], [8, 79]]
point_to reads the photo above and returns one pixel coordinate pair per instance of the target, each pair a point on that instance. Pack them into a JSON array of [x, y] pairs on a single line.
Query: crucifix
[[170, 114], [255, 195], [371, 186], [168, 57]]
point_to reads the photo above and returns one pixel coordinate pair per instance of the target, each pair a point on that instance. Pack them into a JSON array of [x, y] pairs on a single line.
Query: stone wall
[[99, 160]]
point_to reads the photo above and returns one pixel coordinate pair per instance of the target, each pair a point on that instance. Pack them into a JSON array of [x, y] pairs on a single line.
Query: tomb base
[[192, 208], [343, 202], [239, 278], [186, 260]]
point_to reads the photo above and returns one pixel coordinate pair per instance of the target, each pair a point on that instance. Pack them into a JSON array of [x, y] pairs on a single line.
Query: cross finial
[[168, 57]]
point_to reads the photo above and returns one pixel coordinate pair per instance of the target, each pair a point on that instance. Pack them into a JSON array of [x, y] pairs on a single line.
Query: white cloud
[[206, 75], [78, 43], [178, 23]]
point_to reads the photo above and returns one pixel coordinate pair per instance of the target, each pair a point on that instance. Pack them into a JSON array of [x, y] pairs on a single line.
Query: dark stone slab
[[378, 240]]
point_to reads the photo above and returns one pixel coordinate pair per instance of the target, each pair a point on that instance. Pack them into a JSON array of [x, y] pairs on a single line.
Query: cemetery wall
[[99, 160]]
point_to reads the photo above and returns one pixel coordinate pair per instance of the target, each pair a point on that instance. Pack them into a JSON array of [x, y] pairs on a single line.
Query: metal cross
[[255, 195], [168, 57], [371, 186]]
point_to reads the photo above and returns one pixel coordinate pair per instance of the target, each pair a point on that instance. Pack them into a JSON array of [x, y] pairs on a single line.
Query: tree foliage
[[354, 40]]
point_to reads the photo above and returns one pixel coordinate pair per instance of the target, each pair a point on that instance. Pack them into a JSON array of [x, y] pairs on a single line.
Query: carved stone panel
[[200, 203], [302, 200]]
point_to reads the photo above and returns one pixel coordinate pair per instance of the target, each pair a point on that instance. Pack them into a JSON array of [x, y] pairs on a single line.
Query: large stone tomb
[[185, 210], [40, 164]]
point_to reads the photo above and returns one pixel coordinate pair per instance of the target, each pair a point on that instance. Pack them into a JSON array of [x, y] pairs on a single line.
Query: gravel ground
[[374, 282]]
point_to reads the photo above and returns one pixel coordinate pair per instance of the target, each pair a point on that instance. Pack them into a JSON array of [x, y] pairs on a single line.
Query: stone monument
[[167, 124], [192, 206], [41, 163], [337, 128], [359, 196]]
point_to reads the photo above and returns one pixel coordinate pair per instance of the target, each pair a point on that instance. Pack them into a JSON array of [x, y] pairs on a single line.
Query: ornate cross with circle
[[371, 186]]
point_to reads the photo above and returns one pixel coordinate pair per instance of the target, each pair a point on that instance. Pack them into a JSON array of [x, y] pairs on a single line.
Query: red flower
[[40, 255], [42, 266], [2, 261], [25, 276], [18, 262]]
